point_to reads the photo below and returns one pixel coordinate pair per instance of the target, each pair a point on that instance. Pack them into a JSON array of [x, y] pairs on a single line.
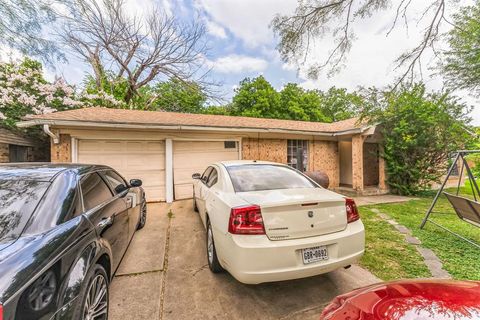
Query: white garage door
[[144, 160], [190, 157]]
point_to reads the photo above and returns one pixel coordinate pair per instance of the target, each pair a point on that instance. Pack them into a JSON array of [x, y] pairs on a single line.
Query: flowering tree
[[24, 91]]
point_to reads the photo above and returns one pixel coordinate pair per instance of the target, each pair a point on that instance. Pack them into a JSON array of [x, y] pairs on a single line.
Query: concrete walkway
[[387, 198], [164, 275]]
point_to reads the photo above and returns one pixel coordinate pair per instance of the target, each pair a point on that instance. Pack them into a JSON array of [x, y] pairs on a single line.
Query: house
[[16, 148], [164, 149]]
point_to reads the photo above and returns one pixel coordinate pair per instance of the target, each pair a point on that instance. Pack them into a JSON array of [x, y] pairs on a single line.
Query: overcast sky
[[242, 45]]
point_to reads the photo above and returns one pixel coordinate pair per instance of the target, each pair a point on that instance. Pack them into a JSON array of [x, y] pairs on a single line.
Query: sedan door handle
[[105, 223]]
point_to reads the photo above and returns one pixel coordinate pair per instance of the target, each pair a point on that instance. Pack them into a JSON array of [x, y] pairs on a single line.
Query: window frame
[[79, 186], [293, 146], [103, 174], [210, 176]]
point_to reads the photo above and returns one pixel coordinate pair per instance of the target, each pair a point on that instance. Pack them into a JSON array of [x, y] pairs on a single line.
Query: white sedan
[[268, 222]]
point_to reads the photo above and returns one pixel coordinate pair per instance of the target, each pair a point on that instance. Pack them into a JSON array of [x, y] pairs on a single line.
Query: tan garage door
[[144, 160], [190, 157]]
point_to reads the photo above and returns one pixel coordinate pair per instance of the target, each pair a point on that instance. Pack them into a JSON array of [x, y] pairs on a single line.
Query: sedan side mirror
[[135, 183], [196, 176]]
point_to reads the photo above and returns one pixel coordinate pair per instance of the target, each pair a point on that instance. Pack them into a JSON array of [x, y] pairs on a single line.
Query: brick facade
[[265, 149], [4, 153], [370, 164], [357, 162], [323, 156], [62, 151]]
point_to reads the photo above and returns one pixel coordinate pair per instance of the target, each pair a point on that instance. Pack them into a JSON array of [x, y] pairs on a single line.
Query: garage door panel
[[191, 157], [143, 160]]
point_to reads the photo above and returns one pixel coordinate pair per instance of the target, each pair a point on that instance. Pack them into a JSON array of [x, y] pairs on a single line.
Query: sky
[[242, 44]]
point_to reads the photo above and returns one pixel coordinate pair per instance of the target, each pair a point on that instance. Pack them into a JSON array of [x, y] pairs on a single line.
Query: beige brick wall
[[370, 164], [4, 153], [265, 149], [323, 156], [61, 152]]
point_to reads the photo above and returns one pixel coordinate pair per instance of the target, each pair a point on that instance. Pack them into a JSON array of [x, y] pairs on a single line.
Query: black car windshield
[[258, 177], [18, 200]]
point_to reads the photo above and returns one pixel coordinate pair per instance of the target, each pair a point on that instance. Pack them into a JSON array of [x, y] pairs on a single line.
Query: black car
[[63, 230]]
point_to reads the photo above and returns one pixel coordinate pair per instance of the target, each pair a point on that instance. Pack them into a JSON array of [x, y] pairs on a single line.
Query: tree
[[461, 65], [298, 104], [141, 51], [317, 18], [24, 91], [256, 98], [338, 104], [21, 24], [420, 131], [178, 96]]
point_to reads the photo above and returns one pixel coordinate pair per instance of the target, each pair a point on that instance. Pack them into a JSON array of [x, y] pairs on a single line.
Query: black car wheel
[[143, 216], [94, 296], [39, 297], [212, 258]]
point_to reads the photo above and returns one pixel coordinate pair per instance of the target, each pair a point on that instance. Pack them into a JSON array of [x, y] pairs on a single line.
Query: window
[[19, 200], [17, 153], [94, 191], [212, 178], [297, 154], [206, 174], [230, 144], [116, 182], [258, 177]]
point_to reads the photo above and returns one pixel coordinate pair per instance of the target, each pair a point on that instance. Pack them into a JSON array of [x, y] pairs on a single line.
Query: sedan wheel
[[143, 216], [96, 300], [212, 258]]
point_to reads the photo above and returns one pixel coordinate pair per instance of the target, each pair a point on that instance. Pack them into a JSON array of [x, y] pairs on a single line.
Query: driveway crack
[[165, 264]]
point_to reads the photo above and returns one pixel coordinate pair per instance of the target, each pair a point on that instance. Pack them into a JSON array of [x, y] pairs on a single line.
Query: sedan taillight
[[246, 220], [1, 312], [352, 211]]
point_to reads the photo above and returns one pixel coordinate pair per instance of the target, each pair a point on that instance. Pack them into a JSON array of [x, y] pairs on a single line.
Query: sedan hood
[[299, 213]]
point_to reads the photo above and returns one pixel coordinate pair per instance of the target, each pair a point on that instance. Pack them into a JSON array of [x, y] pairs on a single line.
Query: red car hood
[[408, 300]]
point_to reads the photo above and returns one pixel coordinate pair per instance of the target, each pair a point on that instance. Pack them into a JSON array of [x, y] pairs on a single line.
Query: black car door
[[130, 195], [108, 213]]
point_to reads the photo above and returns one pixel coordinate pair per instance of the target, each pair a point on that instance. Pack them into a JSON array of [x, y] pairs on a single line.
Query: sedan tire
[[212, 258], [143, 216], [94, 296]]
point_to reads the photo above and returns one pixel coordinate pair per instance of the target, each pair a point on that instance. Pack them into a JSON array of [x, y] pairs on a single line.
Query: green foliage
[[24, 91], [257, 98], [178, 96], [420, 131], [461, 64]]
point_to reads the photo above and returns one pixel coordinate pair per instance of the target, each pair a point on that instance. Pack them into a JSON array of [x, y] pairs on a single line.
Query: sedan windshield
[[18, 200], [258, 177]]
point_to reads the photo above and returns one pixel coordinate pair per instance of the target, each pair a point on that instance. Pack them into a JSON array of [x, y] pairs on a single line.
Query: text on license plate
[[314, 254]]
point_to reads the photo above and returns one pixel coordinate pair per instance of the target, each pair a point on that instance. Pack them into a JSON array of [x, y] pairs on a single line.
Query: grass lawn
[[389, 257]]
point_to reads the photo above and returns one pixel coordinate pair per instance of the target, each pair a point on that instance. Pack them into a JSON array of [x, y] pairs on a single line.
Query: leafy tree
[[317, 19], [256, 98], [420, 131], [178, 96], [461, 66], [298, 104], [24, 91], [21, 23], [338, 104]]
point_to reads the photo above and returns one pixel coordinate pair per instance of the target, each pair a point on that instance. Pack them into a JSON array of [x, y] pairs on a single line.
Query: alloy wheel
[[43, 291], [96, 303], [143, 217], [210, 244]]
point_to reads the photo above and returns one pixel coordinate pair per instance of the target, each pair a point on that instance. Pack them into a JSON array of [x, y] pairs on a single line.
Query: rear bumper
[[256, 259]]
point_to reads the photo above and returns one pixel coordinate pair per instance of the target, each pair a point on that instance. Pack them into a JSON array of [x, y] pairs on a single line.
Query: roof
[[107, 117], [40, 171], [9, 137]]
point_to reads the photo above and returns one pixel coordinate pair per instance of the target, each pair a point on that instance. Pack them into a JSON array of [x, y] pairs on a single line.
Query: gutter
[[67, 123], [54, 137]]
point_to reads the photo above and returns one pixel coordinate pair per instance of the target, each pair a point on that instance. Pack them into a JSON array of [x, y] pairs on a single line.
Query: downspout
[[54, 137]]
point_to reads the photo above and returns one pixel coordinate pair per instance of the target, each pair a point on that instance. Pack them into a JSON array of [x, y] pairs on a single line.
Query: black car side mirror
[[120, 188], [196, 176], [135, 183]]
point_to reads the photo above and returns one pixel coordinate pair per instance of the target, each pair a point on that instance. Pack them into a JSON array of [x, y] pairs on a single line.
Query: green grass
[[387, 255], [460, 259]]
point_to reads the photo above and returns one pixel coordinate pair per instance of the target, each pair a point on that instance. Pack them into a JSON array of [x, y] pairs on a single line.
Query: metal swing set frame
[[466, 209]]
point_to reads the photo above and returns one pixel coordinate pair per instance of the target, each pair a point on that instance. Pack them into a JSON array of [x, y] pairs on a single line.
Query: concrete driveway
[[164, 275]]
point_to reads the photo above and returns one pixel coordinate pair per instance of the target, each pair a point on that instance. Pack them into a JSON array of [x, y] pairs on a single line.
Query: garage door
[[144, 160], [190, 157]]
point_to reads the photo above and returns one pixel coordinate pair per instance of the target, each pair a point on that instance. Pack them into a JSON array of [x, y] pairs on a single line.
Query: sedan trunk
[[299, 213]]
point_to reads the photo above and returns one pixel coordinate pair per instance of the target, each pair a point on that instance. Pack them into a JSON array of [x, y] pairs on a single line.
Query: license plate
[[314, 254]]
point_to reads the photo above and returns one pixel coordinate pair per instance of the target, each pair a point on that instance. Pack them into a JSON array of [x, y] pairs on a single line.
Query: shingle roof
[[156, 118]]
